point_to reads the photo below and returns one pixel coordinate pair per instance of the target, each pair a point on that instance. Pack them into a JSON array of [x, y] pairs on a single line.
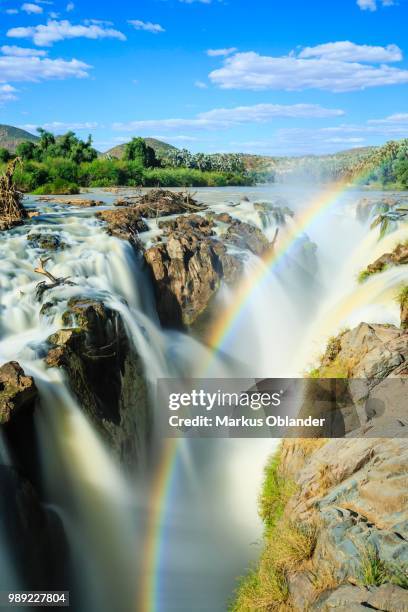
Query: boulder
[[398, 257], [17, 392], [247, 237], [125, 223], [47, 242], [187, 269]]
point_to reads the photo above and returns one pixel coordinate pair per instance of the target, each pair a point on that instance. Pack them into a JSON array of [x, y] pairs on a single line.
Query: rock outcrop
[[125, 223], [46, 242], [105, 374], [336, 510], [17, 392], [79, 202], [33, 533], [398, 257], [187, 269]]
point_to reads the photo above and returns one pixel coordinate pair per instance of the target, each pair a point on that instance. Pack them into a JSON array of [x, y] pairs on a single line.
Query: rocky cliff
[[336, 511]]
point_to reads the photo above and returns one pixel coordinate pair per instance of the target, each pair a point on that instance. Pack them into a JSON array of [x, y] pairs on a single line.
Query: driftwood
[[54, 281], [12, 211]]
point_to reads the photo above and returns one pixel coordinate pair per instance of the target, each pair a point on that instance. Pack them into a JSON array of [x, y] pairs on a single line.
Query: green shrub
[[58, 187]]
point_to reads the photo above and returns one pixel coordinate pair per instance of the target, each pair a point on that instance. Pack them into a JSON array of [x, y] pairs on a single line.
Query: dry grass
[[289, 546]]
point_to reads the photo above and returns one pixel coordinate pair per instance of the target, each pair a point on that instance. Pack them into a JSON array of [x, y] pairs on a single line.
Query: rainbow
[[218, 339]]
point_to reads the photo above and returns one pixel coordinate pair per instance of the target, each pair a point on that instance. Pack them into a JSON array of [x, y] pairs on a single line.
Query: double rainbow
[[221, 332]]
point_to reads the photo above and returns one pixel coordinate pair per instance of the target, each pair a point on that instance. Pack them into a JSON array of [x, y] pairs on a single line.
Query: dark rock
[[188, 223], [246, 236], [398, 257], [105, 374], [187, 271], [125, 223], [17, 391], [47, 242], [35, 536]]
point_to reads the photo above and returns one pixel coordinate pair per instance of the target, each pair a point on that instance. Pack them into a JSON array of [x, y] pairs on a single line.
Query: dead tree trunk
[[12, 210]]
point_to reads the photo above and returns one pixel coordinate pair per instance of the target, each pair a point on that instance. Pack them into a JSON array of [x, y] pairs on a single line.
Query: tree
[[138, 150], [26, 150], [4, 155]]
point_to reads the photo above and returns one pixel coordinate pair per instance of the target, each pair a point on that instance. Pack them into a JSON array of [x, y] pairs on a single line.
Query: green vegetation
[[374, 571], [402, 295], [288, 546], [64, 164], [386, 165]]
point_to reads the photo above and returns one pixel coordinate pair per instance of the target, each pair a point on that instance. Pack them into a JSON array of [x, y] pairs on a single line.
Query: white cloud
[[70, 7], [147, 26], [294, 73], [60, 127], [347, 51], [201, 85], [53, 15], [371, 5], [7, 93], [192, 1], [22, 51], [31, 9], [20, 69], [54, 31], [395, 119], [223, 118], [11, 11], [221, 52], [367, 5]]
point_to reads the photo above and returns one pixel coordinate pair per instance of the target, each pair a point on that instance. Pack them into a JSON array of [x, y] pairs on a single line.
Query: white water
[[213, 504]]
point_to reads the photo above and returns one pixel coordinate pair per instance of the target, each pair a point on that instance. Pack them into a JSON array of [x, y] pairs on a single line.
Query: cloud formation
[[223, 118], [31, 9], [60, 127], [22, 51], [221, 52], [7, 93], [14, 68], [347, 51], [147, 26], [54, 31], [320, 67], [371, 5]]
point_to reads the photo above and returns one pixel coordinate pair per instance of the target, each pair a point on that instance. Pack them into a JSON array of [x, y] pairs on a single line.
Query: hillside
[[11, 136], [159, 147]]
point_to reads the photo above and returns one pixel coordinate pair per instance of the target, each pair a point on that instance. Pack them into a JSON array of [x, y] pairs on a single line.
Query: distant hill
[[159, 147], [11, 136]]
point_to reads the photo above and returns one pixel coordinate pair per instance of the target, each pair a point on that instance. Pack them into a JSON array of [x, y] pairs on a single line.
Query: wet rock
[[273, 214], [79, 202], [223, 218], [17, 392], [162, 202], [188, 223], [246, 236], [105, 374], [34, 534], [47, 242], [187, 270], [398, 257], [125, 223]]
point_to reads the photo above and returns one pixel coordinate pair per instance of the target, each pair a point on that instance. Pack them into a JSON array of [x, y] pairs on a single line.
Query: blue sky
[[258, 76]]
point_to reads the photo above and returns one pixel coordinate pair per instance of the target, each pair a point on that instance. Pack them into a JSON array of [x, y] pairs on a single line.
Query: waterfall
[[307, 296]]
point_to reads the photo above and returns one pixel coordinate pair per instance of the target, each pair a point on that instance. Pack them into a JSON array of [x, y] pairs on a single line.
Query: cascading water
[[213, 503]]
